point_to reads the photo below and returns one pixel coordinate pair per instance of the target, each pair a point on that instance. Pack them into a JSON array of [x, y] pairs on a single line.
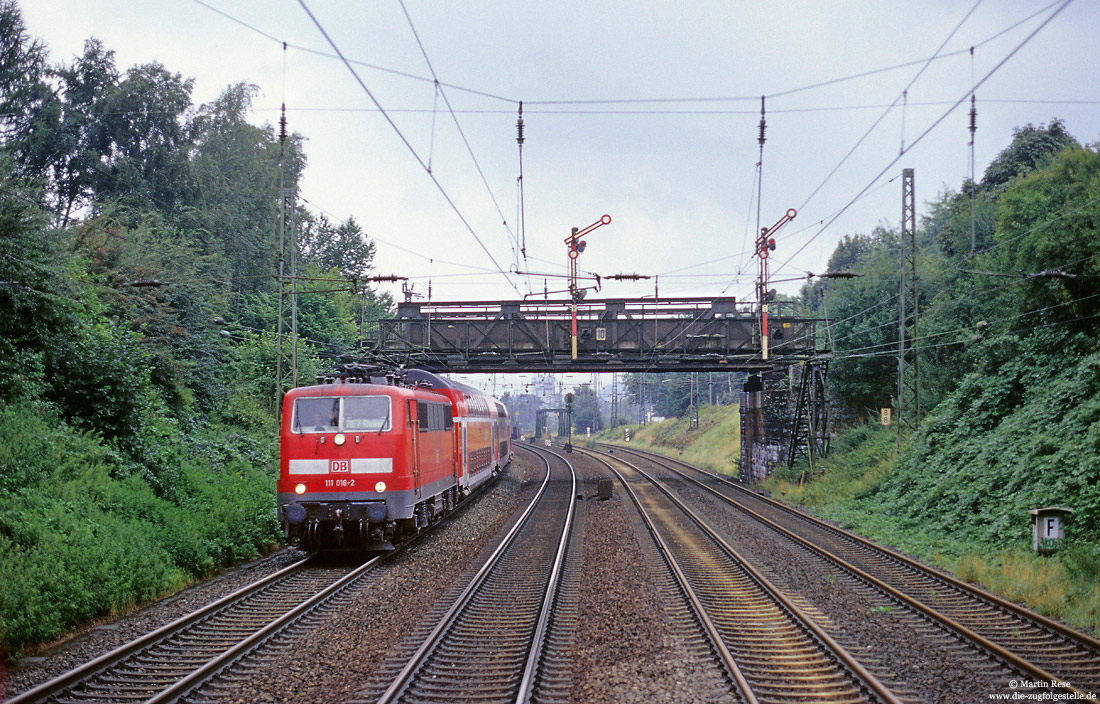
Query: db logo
[[339, 466]]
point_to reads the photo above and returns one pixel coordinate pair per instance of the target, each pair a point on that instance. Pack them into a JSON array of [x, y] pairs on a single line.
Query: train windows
[[477, 406], [316, 415], [434, 416], [366, 413]]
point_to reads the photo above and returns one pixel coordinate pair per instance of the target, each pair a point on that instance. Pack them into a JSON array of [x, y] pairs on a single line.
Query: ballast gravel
[[89, 643], [633, 642]]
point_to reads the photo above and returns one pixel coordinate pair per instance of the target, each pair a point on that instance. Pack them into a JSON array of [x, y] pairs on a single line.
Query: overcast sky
[[646, 111]]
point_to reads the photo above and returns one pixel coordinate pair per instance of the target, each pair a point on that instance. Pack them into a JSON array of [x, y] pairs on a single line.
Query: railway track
[[1042, 650], [769, 648], [489, 645], [171, 661]]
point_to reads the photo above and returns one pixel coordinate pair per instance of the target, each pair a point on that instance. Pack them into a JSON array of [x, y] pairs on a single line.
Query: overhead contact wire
[[920, 138], [903, 96], [746, 98], [504, 221], [409, 146]]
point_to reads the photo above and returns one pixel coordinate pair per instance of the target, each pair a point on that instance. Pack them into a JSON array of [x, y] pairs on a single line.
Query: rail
[[977, 616]]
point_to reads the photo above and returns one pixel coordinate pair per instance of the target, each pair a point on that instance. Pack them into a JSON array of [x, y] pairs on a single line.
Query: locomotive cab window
[[366, 413], [350, 413], [316, 415]]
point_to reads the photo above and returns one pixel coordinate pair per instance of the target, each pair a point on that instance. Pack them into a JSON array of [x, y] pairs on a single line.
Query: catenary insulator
[[519, 126], [762, 123]]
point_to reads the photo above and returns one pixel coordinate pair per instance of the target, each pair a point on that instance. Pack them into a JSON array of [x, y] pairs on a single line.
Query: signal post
[[576, 245], [765, 243]]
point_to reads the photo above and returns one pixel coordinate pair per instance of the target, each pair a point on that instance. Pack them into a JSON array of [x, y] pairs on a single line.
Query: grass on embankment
[[715, 444]]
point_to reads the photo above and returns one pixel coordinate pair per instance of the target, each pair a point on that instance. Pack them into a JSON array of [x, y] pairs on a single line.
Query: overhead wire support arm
[[592, 277]]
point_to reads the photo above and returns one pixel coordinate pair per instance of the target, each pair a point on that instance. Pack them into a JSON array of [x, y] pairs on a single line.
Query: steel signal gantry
[[576, 245]]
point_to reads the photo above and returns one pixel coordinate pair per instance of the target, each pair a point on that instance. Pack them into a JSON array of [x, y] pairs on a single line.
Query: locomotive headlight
[[300, 489], [380, 487], [339, 439]]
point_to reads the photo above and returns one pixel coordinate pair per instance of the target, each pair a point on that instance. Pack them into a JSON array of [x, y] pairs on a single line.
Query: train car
[[483, 441], [368, 460]]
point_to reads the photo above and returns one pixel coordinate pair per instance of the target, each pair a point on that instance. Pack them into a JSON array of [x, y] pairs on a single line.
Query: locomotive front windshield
[[366, 413], [344, 413]]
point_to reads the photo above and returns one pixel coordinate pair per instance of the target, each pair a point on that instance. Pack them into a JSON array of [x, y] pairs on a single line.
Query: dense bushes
[[1020, 433], [1014, 436], [137, 331], [1023, 434], [83, 534]]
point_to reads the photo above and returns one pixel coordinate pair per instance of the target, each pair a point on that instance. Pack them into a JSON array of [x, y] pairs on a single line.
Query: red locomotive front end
[[369, 459], [362, 464]]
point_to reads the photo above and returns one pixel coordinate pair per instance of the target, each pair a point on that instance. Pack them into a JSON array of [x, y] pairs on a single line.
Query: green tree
[[80, 139], [343, 247], [863, 328], [522, 409], [154, 280], [235, 170], [1031, 146], [850, 253], [38, 304], [27, 105], [665, 393], [1032, 263], [961, 223], [145, 117], [586, 410], [1048, 231]]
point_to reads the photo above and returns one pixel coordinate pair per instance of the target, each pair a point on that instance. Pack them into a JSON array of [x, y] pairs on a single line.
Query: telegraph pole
[[693, 417], [569, 421], [614, 400]]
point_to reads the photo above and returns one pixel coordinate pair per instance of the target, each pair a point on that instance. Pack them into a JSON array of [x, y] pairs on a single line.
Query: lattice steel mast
[[908, 401]]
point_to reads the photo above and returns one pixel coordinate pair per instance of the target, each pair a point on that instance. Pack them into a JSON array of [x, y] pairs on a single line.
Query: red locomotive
[[368, 459]]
